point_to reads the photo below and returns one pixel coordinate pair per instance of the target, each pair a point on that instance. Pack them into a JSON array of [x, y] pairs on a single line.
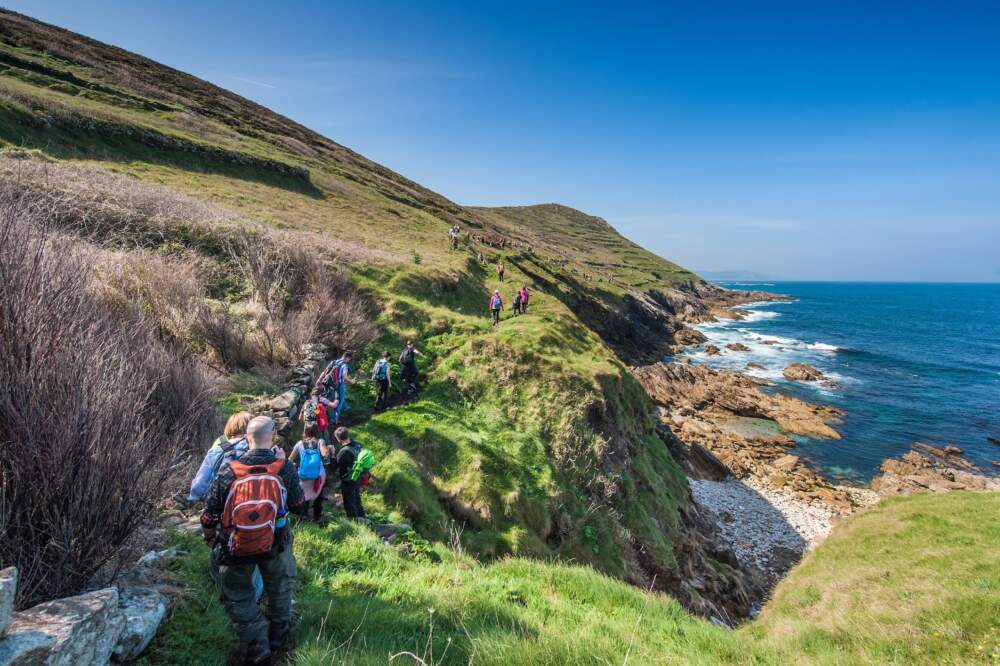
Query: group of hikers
[[249, 486], [520, 300]]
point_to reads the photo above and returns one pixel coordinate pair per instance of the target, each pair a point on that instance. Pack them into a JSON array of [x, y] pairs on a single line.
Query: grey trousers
[[240, 599]]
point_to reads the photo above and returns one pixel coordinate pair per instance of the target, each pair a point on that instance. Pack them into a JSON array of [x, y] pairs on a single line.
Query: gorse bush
[[95, 413]]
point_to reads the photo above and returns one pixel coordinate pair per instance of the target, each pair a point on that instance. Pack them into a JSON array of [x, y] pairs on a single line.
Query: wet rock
[[993, 440], [76, 630], [702, 403], [755, 366], [712, 350], [927, 467], [737, 347], [953, 450], [142, 610], [8, 588], [802, 372]]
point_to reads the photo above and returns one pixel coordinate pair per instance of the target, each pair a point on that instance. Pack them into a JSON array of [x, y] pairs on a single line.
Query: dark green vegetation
[[528, 465]]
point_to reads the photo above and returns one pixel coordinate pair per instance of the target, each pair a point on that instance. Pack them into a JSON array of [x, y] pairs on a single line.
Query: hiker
[[500, 270], [231, 444], [246, 522], [350, 489], [335, 378], [317, 409], [496, 305], [454, 237], [524, 299], [408, 361], [517, 302], [482, 259], [308, 454], [382, 376]]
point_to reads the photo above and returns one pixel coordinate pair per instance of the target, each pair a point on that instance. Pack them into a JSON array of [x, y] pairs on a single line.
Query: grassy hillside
[[528, 465], [894, 585], [533, 439]]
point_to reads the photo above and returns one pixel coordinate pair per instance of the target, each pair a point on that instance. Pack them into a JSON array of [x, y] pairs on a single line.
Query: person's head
[[316, 392], [385, 354], [261, 432], [496, 292], [342, 435], [409, 343], [236, 425], [347, 355], [310, 431]]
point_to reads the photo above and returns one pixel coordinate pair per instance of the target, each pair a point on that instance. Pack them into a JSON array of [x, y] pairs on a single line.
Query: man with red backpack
[[246, 521]]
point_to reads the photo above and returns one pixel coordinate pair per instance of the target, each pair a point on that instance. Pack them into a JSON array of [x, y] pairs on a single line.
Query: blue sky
[[802, 140]]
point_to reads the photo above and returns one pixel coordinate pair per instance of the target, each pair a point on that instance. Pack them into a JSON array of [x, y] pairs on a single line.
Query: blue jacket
[[209, 468]]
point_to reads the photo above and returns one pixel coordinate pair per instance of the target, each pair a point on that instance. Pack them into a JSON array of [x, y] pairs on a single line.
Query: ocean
[[908, 363]]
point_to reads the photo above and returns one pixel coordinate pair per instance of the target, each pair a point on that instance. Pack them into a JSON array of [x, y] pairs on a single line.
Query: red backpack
[[255, 502]]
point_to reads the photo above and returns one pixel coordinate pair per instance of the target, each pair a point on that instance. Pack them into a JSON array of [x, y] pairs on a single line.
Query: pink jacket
[[499, 300]]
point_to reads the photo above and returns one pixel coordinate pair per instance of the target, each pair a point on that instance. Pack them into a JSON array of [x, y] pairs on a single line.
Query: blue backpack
[[310, 463], [381, 369]]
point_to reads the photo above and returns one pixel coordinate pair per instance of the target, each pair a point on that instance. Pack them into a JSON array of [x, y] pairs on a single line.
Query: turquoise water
[[909, 362]]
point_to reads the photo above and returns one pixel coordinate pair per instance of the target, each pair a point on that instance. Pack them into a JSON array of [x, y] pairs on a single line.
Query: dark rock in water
[[993, 440], [755, 366], [712, 350], [737, 347], [953, 450], [802, 372]]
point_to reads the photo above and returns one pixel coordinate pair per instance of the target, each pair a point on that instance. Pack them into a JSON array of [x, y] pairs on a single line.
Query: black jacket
[[345, 460]]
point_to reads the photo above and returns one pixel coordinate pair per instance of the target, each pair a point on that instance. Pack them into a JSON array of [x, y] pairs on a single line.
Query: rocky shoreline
[[732, 440]]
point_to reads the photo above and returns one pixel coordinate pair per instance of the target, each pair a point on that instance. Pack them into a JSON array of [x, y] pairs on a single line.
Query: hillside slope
[[533, 439], [528, 464]]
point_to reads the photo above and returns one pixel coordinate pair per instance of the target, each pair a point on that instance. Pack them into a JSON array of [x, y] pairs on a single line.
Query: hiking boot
[[277, 635], [256, 653]]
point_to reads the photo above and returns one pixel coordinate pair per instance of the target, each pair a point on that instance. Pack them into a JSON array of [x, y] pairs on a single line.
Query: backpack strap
[[226, 449]]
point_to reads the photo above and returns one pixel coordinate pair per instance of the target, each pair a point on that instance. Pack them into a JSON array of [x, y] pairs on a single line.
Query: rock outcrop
[[737, 347], [929, 468], [75, 631], [802, 372], [698, 408], [755, 366], [712, 350]]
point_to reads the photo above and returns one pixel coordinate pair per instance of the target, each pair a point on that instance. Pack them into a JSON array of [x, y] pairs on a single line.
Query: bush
[[94, 415], [296, 299]]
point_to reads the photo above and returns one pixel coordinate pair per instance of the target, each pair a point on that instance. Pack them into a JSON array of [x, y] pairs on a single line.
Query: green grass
[[916, 580], [871, 594]]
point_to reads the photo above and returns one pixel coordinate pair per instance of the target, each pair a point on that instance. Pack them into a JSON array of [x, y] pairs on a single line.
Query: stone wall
[[284, 408], [88, 629]]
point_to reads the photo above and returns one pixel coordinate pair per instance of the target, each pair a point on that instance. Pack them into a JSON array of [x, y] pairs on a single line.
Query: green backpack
[[362, 465]]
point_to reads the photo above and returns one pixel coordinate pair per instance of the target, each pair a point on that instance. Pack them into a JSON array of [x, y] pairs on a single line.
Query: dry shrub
[[166, 291], [296, 299], [108, 207], [94, 414]]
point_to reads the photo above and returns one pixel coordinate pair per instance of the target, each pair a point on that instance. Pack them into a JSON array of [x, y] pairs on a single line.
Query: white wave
[[759, 315], [822, 346]]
